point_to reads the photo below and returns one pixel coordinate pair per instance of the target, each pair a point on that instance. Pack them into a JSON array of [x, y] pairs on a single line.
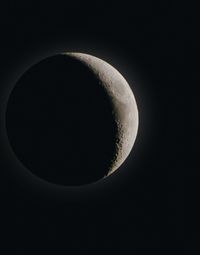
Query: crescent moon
[[125, 111]]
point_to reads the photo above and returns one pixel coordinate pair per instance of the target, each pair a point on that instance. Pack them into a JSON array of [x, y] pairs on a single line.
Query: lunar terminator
[[125, 110]]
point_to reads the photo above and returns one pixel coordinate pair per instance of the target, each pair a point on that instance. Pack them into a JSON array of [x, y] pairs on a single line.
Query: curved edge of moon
[[125, 109]]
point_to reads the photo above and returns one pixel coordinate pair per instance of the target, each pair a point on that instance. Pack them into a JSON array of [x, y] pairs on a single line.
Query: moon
[[71, 119], [125, 111]]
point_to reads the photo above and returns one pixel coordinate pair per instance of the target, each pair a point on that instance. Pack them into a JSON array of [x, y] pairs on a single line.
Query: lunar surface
[[71, 119], [125, 110]]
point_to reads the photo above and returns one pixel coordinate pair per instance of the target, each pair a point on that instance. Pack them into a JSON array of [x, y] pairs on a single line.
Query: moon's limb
[[124, 105]]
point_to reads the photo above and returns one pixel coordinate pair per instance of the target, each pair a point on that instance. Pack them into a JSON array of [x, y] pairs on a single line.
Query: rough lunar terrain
[[125, 110]]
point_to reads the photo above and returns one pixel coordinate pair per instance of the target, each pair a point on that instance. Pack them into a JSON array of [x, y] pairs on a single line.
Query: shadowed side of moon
[[64, 125]]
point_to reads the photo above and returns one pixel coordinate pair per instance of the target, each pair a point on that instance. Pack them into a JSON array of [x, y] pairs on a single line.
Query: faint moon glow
[[72, 119]]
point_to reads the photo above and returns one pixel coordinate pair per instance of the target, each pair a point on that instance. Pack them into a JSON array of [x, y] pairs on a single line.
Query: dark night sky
[[151, 204]]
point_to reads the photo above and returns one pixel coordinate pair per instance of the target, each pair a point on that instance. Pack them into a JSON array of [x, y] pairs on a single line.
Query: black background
[[151, 203]]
